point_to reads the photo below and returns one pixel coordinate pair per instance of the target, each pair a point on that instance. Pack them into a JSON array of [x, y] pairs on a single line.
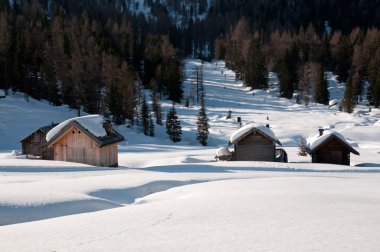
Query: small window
[[79, 132], [73, 132]]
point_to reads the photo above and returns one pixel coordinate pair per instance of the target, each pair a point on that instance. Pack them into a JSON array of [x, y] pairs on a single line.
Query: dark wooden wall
[[36, 145], [332, 152], [255, 147]]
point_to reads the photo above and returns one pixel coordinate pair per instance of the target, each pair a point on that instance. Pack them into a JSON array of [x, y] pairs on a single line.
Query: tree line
[[301, 58], [84, 63]]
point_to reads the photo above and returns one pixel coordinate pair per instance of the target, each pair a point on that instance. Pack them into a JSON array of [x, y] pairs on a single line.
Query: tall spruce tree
[[144, 117], [322, 92], [255, 75], [151, 125], [173, 126], [349, 99], [202, 121], [344, 59], [288, 72], [373, 93]]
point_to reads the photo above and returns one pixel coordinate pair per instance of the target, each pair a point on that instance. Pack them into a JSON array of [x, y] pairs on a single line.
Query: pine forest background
[[99, 56]]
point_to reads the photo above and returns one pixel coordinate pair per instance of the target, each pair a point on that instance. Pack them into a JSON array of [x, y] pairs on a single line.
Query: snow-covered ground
[[175, 197]]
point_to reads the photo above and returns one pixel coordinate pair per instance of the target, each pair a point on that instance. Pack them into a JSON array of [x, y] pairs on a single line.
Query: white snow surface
[[168, 196], [314, 142], [93, 123], [247, 128]]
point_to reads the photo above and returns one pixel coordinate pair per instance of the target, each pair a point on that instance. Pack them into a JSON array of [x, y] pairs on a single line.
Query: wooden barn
[[35, 144], [87, 139], [330, 147], [254, 143]]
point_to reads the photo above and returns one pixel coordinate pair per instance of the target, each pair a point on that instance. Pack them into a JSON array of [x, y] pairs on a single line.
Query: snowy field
[[175, 197]]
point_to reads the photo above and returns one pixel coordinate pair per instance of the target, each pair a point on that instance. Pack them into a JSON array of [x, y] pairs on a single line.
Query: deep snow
[[175, 197]]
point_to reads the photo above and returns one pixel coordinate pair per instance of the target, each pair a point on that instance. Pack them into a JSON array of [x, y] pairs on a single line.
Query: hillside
[[167, 196]]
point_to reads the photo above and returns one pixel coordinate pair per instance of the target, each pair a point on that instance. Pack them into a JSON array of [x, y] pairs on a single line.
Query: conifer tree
[[114, 105], [171, 75], [344, 58], [202, 121], [173, 126], [151, 125], [348, 100], [156, 105], [144, 117], [322, 93], [288, 73], [255, 72]]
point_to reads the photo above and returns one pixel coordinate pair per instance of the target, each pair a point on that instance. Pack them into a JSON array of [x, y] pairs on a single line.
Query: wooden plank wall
[[255, 147], [36, 145], [76, 146], [332, 152], [108, 155]]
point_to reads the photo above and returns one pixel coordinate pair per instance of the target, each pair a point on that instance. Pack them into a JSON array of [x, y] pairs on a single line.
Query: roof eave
[[352, 150], [250, 131], [67, 127]]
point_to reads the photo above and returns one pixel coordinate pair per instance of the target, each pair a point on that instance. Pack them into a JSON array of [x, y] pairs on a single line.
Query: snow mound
[[12, 155], [223, 151], [377, 123], [334, 102], [247, 128], [93, 123]]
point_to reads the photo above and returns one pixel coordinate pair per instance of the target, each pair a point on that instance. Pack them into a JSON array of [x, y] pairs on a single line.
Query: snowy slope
[[175, 197], [262, 214], [19, 118]]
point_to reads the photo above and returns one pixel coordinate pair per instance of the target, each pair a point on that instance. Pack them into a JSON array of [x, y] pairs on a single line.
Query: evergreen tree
[[156, 105], [325, 53], [202, 121], [151, 125], [288, 73], [348, 100], [344, 58], [255, 72], [171, 75], [322, 92], [173, 126], [374, 80], [144, 118], [115, 106]]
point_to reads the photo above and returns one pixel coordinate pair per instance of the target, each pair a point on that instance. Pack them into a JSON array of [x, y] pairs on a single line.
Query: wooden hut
[[87, 139], [35, 144], [254, 143], [330, 147]]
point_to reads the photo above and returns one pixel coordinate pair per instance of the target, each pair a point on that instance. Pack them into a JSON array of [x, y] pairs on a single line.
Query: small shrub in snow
[[302, 148]]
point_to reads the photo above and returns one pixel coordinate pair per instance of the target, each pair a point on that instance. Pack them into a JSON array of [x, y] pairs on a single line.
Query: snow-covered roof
[[247, 129], [223, 151], [92, 123], [44, 129], [315, 142]]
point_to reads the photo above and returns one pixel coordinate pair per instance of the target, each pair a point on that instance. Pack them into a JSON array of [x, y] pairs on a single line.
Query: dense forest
[[99, 55]]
